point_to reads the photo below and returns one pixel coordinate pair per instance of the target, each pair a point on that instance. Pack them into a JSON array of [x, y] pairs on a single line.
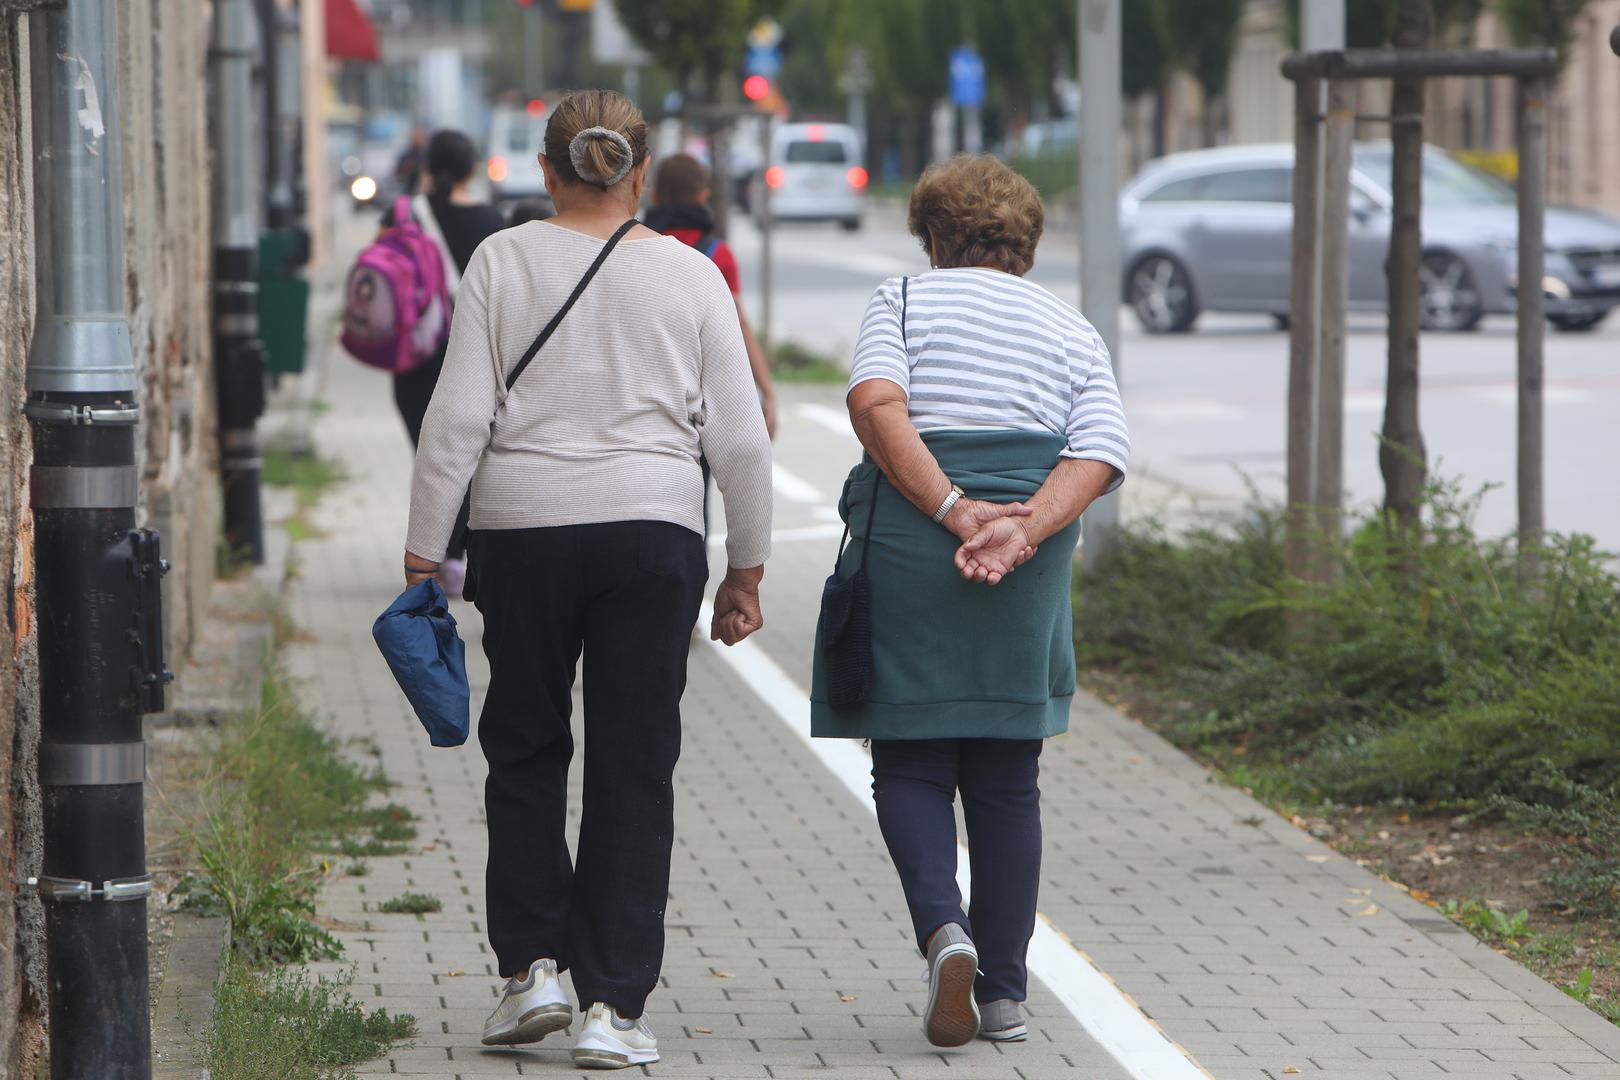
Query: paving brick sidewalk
[[1256, 948]]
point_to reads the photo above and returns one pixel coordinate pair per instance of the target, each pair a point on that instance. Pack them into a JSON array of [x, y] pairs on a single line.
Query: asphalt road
[[1207, 409]]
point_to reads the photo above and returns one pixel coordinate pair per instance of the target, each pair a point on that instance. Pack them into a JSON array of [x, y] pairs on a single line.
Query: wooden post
[[1302, 340], [1338, 135], [1532, 125]]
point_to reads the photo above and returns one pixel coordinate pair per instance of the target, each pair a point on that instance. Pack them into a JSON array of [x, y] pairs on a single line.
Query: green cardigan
[[954, 659]]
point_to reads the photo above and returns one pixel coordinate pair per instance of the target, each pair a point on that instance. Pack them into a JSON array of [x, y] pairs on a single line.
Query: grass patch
[[311, 476], [411, 903], [1431, 680], [283, 1025], [357, 869], [793, 363]]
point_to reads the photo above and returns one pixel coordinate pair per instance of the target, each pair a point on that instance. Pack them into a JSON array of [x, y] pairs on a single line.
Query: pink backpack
[[396, 304]]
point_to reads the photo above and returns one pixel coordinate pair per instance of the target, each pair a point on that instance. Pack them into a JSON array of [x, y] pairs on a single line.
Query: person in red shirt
[[680, 208]]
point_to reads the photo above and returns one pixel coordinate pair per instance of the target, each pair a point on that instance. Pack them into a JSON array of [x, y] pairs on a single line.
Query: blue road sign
[[967, 77], [765, 61]]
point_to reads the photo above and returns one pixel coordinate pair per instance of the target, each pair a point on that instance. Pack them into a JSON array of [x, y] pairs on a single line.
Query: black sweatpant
[[627, 594], [914, 782], [412, 392]]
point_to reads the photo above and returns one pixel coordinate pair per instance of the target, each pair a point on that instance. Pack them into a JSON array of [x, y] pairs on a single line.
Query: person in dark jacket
[[451, 160]]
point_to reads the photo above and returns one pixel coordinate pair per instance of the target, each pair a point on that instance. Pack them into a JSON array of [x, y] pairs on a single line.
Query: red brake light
[[815, 133], [497, 168], [536, 107], [774, 176], [857, 177]]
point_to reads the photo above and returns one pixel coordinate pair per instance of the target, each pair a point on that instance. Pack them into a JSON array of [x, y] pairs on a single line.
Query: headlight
[[364, 189]]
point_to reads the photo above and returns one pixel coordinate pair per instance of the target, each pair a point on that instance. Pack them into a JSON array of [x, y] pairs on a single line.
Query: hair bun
[[595, 163]]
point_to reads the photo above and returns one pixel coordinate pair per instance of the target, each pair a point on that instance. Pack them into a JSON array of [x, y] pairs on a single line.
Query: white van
[[816, 174], [515, 139]]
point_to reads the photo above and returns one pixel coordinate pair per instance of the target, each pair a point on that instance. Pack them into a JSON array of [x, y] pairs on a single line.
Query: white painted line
[[1106, 1013], [834, 420], [1189, 409], [793, 489], [789, 536]]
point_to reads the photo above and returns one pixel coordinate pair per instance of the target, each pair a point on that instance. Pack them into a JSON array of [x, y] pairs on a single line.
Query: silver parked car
[[1210, 230]]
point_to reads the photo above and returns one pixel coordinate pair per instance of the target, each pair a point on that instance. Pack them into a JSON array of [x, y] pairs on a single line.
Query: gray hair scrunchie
[[581, 143]]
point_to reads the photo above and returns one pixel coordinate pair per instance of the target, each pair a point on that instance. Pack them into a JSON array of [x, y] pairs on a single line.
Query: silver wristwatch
[[950, 501]]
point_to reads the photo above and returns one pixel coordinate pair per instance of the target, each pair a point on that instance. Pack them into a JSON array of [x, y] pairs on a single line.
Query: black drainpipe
[[238, 352], [97, 576]]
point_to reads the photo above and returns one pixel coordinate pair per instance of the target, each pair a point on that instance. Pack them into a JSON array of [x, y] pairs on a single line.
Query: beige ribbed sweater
[[644, 375]]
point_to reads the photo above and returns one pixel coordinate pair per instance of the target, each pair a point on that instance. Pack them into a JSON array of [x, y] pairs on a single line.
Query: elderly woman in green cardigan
[[991, 420]]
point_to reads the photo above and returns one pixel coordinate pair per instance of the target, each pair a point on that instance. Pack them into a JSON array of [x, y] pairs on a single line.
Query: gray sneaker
[[952, 1016], [1002, 1021]]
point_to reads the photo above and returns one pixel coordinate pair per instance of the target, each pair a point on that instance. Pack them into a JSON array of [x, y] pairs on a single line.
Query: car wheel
[[1161, 294], [851, 224], [1577, 323], [1451, 300]]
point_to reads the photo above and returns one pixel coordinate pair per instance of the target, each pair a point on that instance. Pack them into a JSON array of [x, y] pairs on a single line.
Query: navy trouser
[[914, 782], [627, 594]]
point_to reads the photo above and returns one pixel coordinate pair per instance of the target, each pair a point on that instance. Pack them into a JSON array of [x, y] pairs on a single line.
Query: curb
[[185, 998]]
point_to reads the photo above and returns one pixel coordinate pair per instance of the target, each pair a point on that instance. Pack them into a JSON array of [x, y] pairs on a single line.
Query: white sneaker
[[609, 1041], [530, 1008]]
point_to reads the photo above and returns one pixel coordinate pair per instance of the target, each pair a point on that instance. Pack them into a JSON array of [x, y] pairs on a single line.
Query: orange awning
[[349, 33]]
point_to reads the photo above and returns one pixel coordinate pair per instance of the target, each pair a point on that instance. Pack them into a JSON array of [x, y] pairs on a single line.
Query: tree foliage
[[1369, 24], [1200, 36], [1145, 62], [1541, 22], [705, 38]]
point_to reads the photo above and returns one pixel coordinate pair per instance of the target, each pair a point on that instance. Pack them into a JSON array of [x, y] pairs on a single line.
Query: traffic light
[[756, 87]]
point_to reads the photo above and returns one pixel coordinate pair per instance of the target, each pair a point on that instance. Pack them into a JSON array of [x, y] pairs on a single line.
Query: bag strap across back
[[877, 481], [601, 257]]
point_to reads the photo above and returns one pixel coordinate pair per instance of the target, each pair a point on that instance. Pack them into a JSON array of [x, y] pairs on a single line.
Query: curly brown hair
[[974, 211]]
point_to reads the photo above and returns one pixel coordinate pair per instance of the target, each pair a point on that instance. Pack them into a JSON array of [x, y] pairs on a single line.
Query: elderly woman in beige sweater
[[587, 511]]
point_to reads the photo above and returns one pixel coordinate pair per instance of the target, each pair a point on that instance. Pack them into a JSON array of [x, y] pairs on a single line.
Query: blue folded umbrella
[[417, 636]]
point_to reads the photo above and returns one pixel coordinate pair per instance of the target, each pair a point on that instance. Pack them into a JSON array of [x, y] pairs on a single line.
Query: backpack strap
[[422, 211], [708, 243], [601, 257]]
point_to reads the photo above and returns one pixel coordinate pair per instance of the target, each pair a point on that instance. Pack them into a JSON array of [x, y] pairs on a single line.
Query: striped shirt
[[989, 350]]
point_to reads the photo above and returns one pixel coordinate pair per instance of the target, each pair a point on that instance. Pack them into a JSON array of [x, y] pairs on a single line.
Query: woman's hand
[[995, 551], [418, 569], [736, 605], [969, 516]]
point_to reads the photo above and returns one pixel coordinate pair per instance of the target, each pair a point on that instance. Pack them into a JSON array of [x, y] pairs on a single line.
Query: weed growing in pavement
[[411, 903], [280, 793], [357, 869], [1491, 924], [1581, 990], [309, 474], [283, 1025]]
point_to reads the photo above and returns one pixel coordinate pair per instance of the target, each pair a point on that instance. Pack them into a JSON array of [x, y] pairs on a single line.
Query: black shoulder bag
[[469, 589], [846, 607]]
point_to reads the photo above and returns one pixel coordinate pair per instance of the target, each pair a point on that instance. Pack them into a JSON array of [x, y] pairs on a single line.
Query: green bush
[[1425, 672]]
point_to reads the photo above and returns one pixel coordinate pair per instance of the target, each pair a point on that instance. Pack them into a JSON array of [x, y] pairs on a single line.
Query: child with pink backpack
[[398, 298]]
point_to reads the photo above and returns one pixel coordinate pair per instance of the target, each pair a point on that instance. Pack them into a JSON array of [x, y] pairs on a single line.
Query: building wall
[[163, 104], [20, 928]]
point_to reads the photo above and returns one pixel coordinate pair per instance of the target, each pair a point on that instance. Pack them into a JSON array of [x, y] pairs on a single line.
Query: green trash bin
[[283, 301]]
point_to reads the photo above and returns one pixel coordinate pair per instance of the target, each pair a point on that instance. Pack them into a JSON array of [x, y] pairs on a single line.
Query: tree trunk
[[1401, 457], [1161, 118]]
